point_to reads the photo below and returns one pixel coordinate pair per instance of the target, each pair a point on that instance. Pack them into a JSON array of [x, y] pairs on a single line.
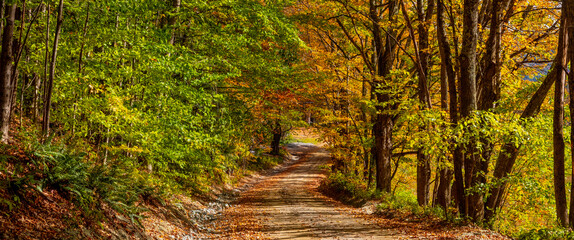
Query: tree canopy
[[449, 102]]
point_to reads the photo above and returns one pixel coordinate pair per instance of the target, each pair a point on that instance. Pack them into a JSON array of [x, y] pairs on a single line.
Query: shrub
[[347, 188]]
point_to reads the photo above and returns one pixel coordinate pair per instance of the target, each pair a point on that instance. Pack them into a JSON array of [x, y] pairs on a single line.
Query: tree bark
[[558, 146], [173, 19], [423, 165], [83, 40], [6, 59], [36, 98], [489, 86], [489, 92], [384, 120], [468, 104], [468, 58], [558, 135], [568, 13], [46, 54], [444, 189], [2, 13], [275, 143], [48, 91], [489, 83]]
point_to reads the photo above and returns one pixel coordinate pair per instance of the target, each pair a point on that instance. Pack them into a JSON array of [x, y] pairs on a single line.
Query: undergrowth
[[353, 190], [261, 161], [347, 188], [405, 203], [546, 234], [90, 187]]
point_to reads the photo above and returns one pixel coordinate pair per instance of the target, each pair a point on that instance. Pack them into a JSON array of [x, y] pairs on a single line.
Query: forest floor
[[287, 205]]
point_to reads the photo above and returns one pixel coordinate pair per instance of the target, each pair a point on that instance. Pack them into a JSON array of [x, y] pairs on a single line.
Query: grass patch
[[265, 161], [307, 140]]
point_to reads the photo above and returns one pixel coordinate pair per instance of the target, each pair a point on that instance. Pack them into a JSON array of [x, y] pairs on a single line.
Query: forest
[[459, 109]]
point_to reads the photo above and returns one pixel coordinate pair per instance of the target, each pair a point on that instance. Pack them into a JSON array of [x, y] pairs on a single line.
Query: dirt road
[[287, 206], [294, 209]]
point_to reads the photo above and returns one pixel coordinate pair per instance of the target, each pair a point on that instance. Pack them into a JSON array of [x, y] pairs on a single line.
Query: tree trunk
[[383, 129], [468, 58], [423, 161], [568, 13], [558, 146], [488, 93], [48, 91], [6, 59], [36, 98], [468, 62], [17, 46], [384, 121], [444, 191], [423, 178], [444, 176], [83, 39], [275, 143], [2, 13], [172, 19], [489, 86], [46, 55], [558, 125]]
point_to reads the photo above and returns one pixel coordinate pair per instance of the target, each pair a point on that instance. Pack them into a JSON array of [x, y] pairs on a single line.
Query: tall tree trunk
[[568, 13], [2, 13], [558, 146], [468, 58], [488, 84], [17, 45], [444, 189], [83, 39], [46, 53], [6, 59], [384, 120], [468, 104], [383, 129], [37, 83], [48, 91], [558, 125], [173, 19], [489, 92], [423, 161], [275, 143]]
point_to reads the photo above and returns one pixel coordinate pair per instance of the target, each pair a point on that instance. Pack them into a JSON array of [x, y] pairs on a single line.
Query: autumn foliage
[[448, 104]]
